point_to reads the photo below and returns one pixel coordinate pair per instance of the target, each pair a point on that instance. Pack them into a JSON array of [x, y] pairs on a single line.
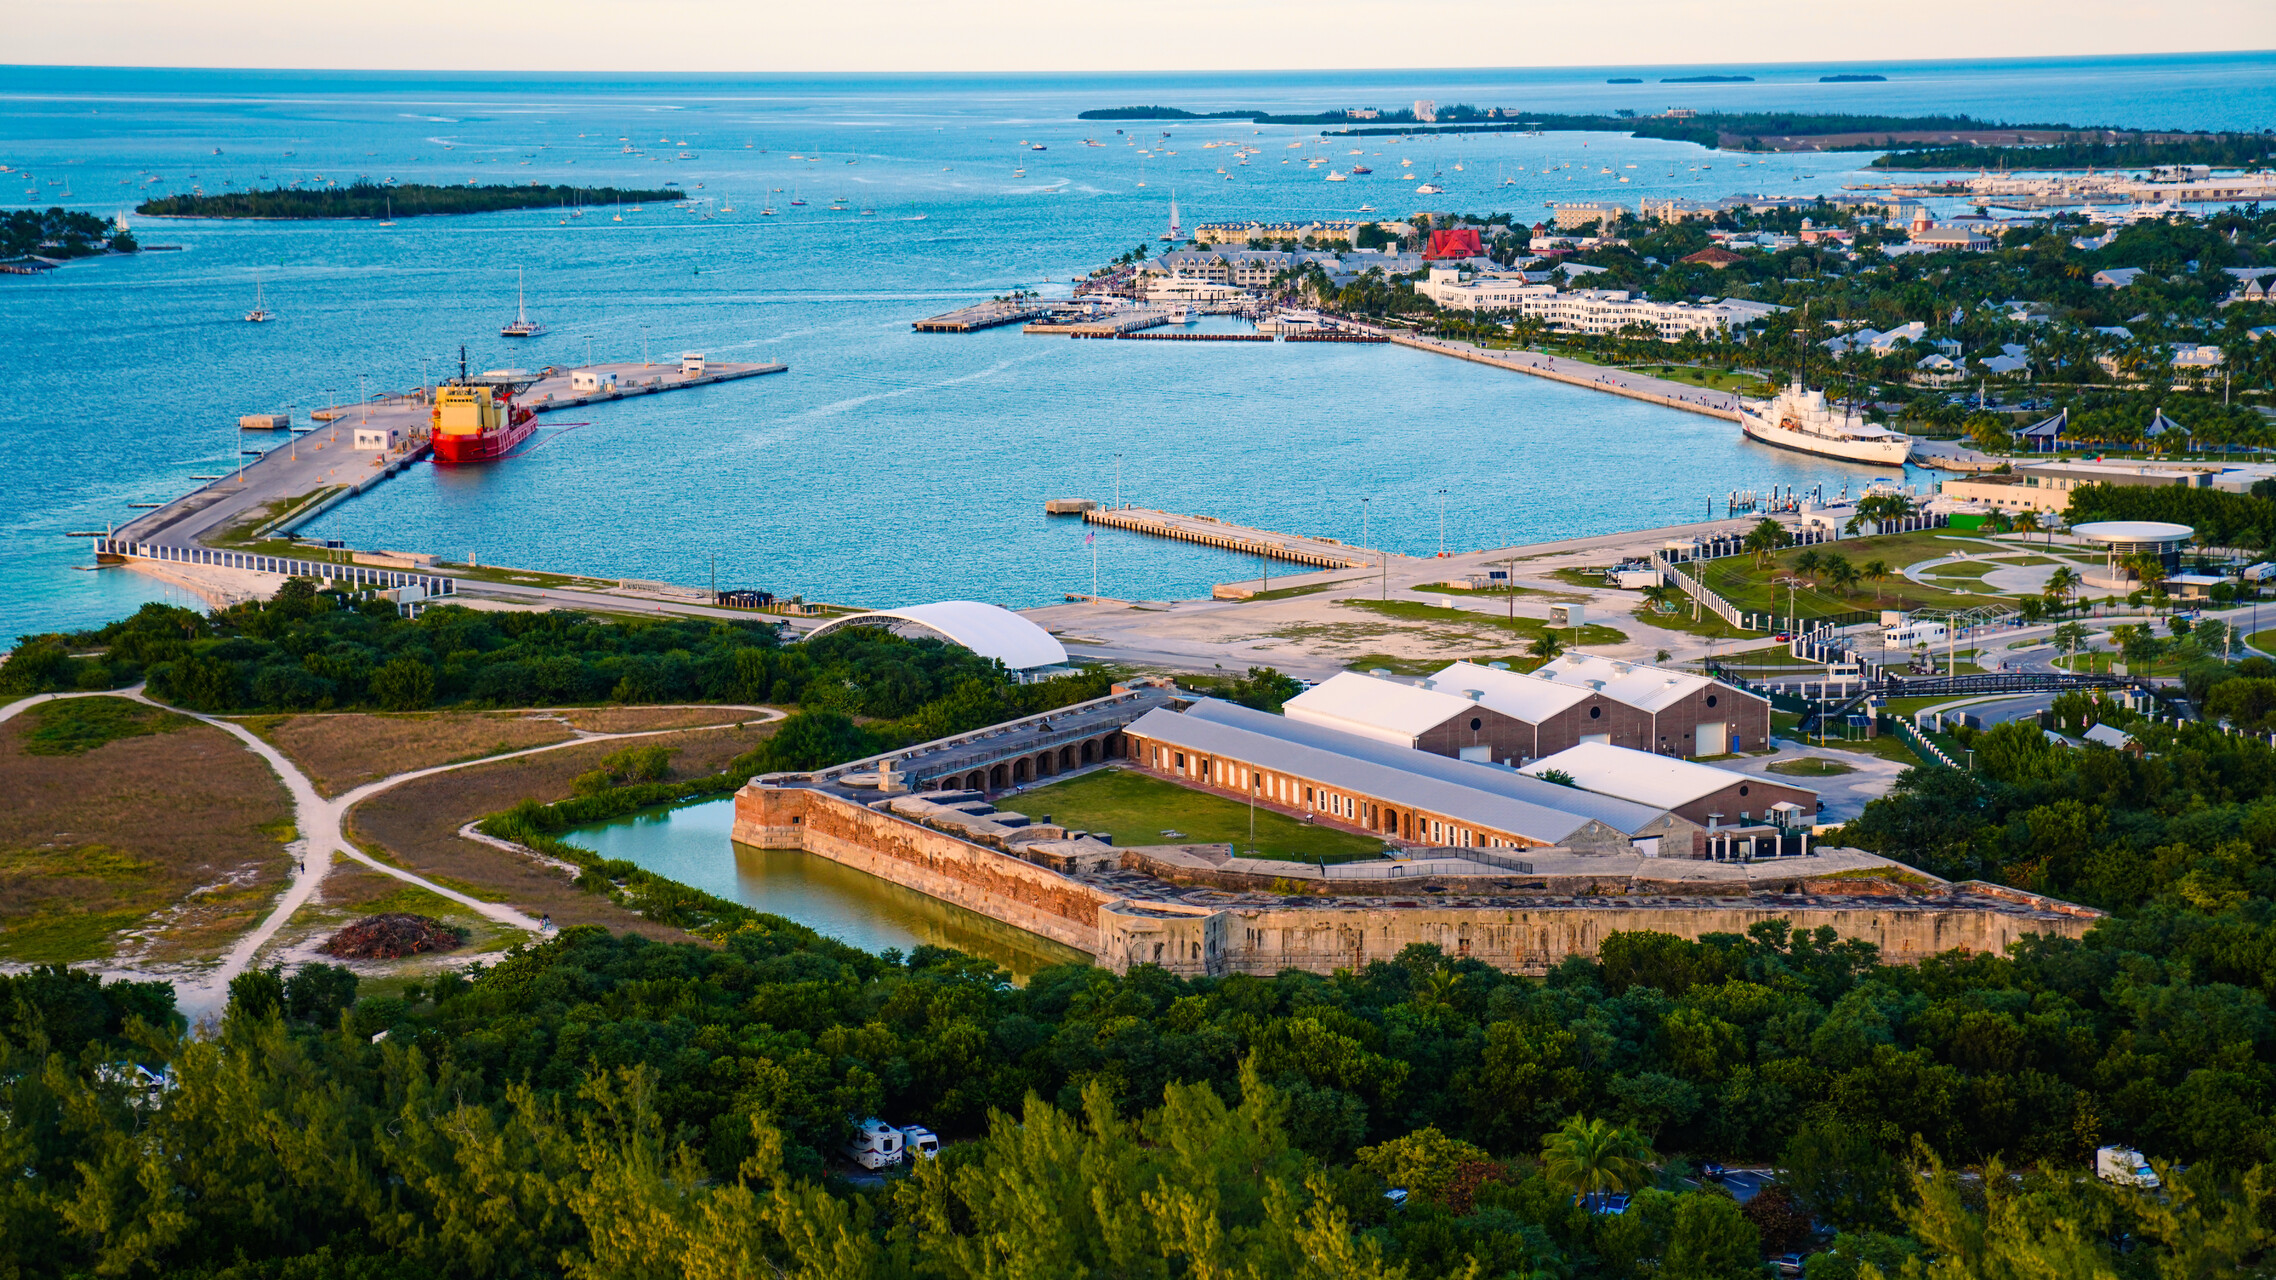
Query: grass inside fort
[[1137, 808]]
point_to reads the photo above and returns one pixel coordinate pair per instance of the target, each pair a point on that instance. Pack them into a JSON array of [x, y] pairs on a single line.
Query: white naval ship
[[1800, 419]]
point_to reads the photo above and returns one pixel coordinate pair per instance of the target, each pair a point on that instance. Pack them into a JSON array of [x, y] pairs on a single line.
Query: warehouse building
[[1338, 781], [1490, 713], [1702, 793]]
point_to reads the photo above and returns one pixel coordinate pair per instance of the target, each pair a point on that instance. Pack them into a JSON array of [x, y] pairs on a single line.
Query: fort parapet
[[1122, 918]]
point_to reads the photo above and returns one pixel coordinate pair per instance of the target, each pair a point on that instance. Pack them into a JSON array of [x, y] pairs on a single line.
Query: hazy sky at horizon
[[1158, 35]]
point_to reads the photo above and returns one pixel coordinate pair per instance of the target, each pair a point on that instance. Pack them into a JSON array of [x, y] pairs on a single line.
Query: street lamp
[[1442, 524]]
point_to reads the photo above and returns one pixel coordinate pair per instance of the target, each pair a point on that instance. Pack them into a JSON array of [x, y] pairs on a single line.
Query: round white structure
[[2135, 537], [2126, 540], [988, 630]]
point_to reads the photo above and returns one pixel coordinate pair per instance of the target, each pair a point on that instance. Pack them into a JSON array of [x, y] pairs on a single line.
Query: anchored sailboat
[[260, 313], [522, 326], [1173, 233]]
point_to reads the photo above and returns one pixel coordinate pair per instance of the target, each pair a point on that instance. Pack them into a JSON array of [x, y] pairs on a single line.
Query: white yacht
[[1801, 419]]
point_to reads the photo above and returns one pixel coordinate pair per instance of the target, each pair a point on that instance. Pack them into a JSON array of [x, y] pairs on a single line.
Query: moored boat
[[475, 418], [1801, 419]]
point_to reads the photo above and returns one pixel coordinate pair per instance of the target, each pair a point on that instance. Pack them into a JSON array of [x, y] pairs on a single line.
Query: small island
[[59, 234], [1625, 80], [1852, 78], [380, 200]]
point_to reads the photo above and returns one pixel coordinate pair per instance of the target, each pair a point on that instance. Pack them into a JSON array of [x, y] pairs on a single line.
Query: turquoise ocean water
[[886, 467]]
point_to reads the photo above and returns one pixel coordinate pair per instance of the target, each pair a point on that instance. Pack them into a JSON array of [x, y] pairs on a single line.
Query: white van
[[920, 1142], [876, 1145]]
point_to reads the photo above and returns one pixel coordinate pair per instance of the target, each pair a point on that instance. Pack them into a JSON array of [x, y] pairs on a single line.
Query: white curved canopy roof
[[988, 630], [2132, 531]]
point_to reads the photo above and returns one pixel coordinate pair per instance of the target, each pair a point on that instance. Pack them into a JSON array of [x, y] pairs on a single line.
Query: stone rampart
[[994, 884], [1531, 939]]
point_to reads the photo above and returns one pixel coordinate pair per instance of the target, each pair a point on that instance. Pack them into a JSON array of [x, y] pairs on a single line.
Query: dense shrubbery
[[597, 1095], [59, 233], [311, 650]]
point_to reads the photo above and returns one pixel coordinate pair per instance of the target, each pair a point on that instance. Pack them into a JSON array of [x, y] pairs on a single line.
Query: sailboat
[[1172, 234], [389, 220], [795, 202], [260, 314], [523, 326]]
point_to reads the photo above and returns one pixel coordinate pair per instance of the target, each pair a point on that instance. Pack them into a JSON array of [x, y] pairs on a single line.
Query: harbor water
[[886, 467], [692, 845]]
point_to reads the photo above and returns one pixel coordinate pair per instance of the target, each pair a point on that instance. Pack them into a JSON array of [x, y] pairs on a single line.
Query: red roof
[[1457, 242], [1714, 256]]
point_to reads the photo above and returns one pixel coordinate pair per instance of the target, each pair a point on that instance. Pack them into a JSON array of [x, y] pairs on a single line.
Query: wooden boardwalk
[[984, 315], [1319, 553]]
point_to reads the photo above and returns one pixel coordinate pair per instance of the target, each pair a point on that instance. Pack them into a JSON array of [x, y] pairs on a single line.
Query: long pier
[[1318, 553], [292, 482]]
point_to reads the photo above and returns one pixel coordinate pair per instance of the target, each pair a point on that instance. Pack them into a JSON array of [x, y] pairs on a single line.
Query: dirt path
[[319, 823]]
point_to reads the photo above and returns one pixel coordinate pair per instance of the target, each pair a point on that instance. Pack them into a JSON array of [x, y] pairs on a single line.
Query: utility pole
[[1118, 481], [1442, 524]]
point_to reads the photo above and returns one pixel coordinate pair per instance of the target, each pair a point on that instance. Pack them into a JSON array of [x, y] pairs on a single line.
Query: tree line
[[365, 199]]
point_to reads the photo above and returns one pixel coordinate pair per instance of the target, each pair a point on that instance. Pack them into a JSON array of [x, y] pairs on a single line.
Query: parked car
[[876, 1145]]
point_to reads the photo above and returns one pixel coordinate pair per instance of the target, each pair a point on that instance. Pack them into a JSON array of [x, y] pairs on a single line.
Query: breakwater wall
[[1526, 936], [1690, 401]]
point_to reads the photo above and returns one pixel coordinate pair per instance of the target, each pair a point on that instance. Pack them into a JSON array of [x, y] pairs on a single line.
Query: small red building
[[1455, 242]]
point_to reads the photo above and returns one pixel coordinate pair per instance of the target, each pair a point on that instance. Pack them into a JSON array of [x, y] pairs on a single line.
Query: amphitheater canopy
[[988, 630], [2128, 537]]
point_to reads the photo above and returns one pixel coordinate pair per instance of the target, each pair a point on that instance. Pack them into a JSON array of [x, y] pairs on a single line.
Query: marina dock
[[1319, 553], [985, 315], [1114, 324]]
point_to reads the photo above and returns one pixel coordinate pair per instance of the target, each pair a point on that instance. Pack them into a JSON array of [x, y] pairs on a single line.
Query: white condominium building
[[1588, 310]]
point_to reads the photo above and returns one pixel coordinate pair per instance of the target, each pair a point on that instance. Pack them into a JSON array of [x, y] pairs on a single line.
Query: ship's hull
[[489, 446], [1886, 453]]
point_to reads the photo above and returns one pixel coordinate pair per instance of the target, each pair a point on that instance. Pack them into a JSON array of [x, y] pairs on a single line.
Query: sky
[[1105, 35]]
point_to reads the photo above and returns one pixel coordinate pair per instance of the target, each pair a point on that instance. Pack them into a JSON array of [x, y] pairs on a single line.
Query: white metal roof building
[[988, 630], [1386, 710], [1700, 792], [1625, 816], [1354, 791], [1646, 688]]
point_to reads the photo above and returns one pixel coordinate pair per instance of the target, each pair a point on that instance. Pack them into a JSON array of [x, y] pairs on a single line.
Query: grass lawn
[[1563, 597], [1136, 808], [1753, 589], [1416, 611], [1290, 593], [1713, 379], [1810, 767], [1425, 666], [2265, 641]]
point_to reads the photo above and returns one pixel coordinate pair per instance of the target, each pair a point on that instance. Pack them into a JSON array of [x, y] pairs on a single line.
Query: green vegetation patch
[[1424, 666], [76, 726], [1137, 808], [81, 895], [378, 200], [1811, 767], [1416, 611]]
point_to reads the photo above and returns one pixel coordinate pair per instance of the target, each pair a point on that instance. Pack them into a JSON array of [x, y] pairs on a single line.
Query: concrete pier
[[296, 480], [1619, 382], [1319, 553]]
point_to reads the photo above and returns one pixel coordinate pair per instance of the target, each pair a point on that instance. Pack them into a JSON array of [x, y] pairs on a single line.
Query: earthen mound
[[390, 937]]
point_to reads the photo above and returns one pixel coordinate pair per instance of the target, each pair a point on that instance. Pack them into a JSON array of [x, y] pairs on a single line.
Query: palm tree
[[1546, 646], [1878, 572], [1594, 1157], [1842, 574], [1766, 536], [2028, 523], [1807, 563], [2061, 584]]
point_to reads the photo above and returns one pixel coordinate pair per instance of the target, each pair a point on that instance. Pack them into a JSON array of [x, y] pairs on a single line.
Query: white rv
[[920, 1142], [2124, 1166], [876, 1145]]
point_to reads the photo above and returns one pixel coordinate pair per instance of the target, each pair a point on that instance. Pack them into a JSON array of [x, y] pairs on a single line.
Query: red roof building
[[1714, 256], [1455, 242]]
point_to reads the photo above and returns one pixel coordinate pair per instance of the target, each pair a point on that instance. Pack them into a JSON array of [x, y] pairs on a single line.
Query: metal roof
[[1334, 769], [2132, 531], [1643, 777], [1624, 816], [988, 630], [1512, 693], [1645, 687], [1387, 710]]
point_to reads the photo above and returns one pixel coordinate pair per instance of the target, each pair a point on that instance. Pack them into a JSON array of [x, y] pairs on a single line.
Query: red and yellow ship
[[475, 418]]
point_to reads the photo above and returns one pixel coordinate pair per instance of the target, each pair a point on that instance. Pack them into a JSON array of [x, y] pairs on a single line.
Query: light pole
[[1442, 524], [1118, 482]]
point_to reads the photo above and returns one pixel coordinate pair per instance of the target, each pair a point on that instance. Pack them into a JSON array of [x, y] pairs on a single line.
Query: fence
[[354, 575]]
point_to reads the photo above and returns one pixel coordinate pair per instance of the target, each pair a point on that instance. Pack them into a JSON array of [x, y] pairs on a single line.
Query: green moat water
[[693, 845]]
